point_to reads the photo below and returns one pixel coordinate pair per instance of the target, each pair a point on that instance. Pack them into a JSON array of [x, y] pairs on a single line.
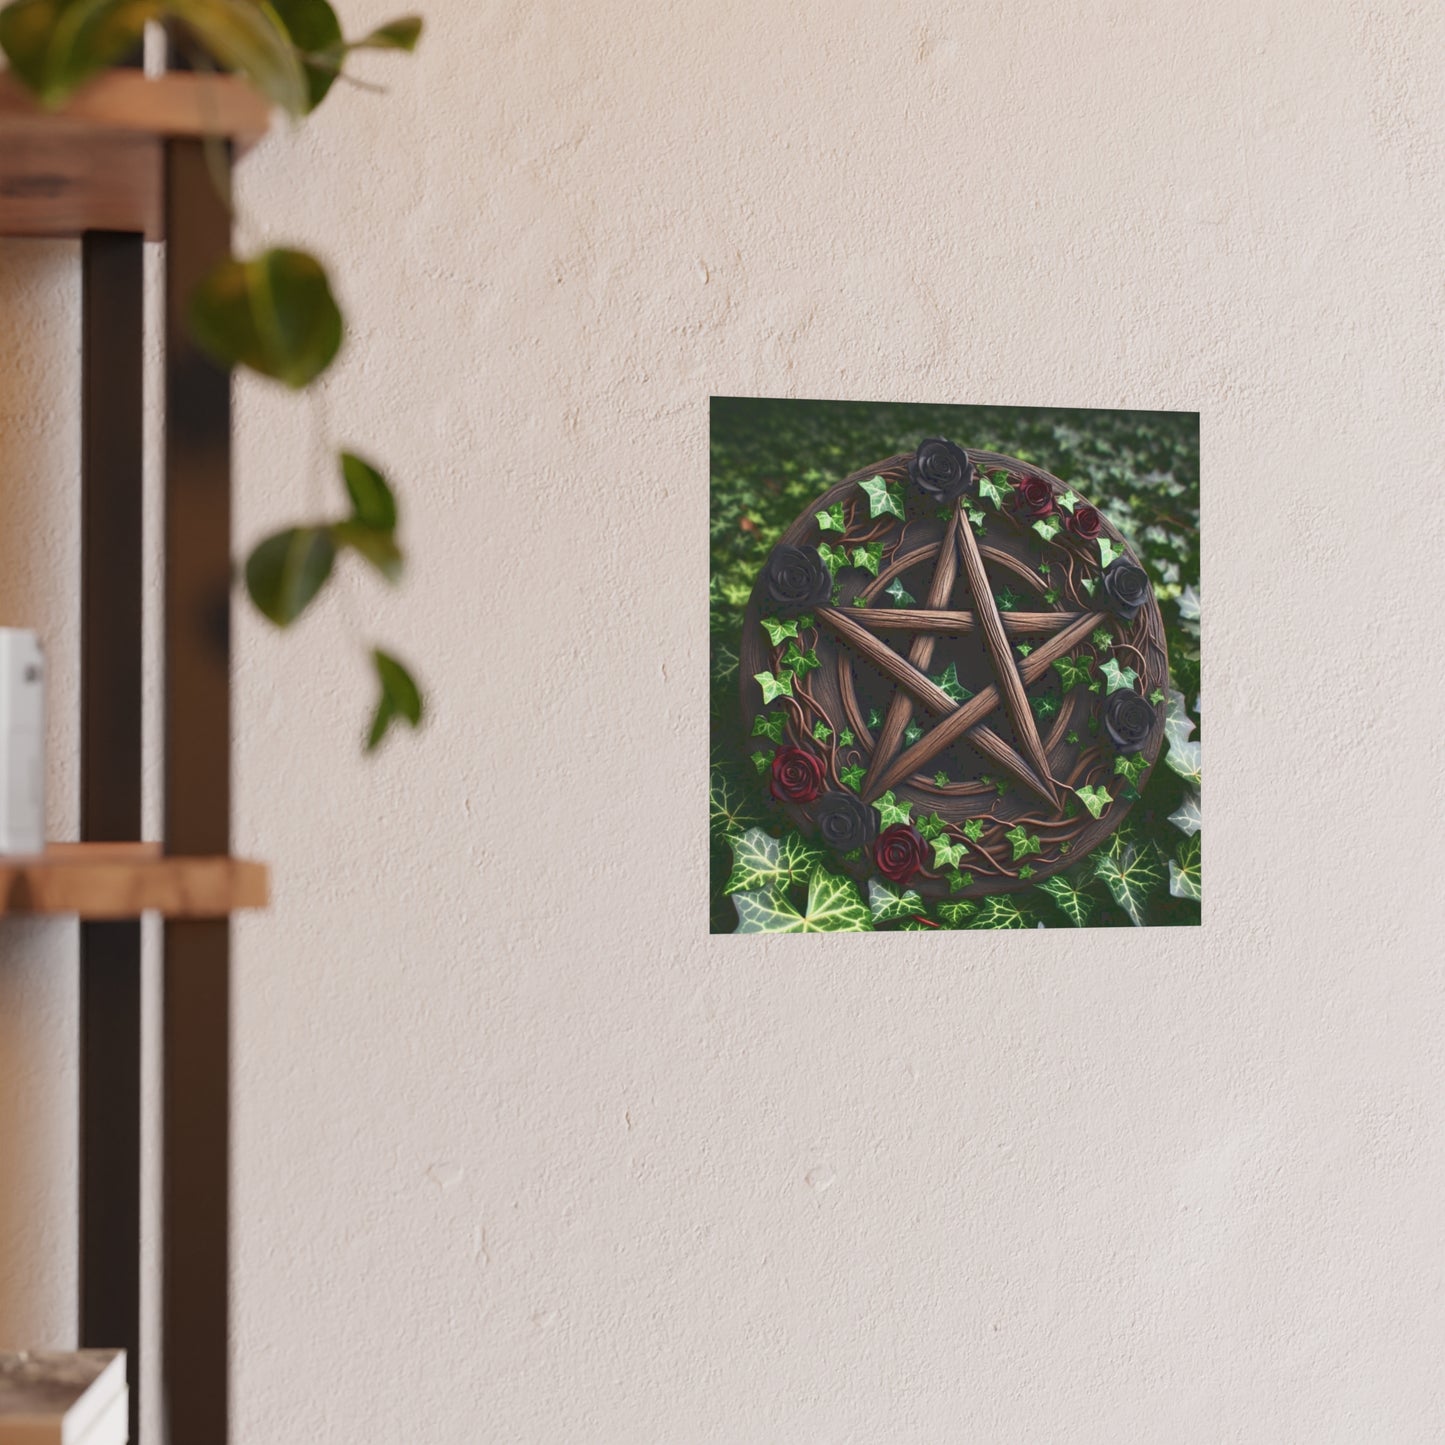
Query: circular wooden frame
[[1021, 820]]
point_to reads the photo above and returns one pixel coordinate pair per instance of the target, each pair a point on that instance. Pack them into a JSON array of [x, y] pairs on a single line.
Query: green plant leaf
[[834, 906], [1184, 758], [378, 548], [846, 738], [948, 854], [852, 776], [274, 314], [400, 699], [1047, 528], [1185, 870], [867, 558], [286, 571], [994, 489], [1000, 910], [1109, 552], [1094, 799], [956, 915], [940, 779], [1045, 706], [1187, 817], [1120, 679], [729, 808], [372, 501], [774, 687], [930, 827], [770, 726], [778, 630], [1073, 670], [1074, 903], [901, 596], [1023, 842], [249, 39], [875, 719], [959, 880], [1178, 725], [1008, 599], [1189, 604], [1023, 648], [1068, 500], [887, 903], [973, 829], [55, 46], [822, 731], [831, 519], [834, 558], [1131, 767], [880, 497], [948, 682], [762, 861], [911, 734], [890, 810], [1102, 638], [1131, 874], [798, 662], [760, 761], [316, 33], [403, 33]]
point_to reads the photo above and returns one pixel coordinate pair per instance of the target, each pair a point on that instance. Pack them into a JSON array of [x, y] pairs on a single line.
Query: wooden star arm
[[1015, 699], [957, 624], [973, 712]]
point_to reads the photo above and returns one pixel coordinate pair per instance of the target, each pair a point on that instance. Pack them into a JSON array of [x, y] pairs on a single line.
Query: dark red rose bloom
[[1086, 522], [900, 852], [797, 775], [1033, 498]]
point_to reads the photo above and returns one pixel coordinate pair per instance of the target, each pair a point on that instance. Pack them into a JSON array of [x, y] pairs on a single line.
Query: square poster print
[[955, 667]]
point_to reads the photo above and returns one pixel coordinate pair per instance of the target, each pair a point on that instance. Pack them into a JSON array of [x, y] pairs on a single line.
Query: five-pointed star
[[1063, 631]]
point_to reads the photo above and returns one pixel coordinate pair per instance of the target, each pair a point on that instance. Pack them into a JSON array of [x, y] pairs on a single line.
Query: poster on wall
[[955, 656]]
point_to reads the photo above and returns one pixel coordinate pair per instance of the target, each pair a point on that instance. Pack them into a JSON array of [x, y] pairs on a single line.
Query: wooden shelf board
[[124, 880], [96, 164]]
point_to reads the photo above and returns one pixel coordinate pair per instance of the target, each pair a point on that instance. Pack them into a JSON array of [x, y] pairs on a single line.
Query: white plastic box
[[22, 723]]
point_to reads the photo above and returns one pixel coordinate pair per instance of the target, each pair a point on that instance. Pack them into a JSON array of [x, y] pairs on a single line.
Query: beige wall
[[521, 1153]]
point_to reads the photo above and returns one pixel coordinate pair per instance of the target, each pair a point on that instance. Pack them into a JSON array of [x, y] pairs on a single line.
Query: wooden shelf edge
[[96, 164], [99, 881]]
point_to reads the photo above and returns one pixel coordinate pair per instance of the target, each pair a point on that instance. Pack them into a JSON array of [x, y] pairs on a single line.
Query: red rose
[[1086, 522], [899, 852], [797, 775], [1034, 498]]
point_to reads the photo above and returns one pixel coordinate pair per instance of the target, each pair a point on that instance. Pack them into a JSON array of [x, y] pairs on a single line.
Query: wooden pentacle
[[954, 673]]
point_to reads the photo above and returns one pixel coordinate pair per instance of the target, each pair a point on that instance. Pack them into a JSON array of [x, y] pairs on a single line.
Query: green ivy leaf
[[1102, 638], [1022, 842], [1156, 697], [834, 558], [1023, 648], [1187, 817], [798, 662], [1047, 528], [760, 761], [778, 630], [1051, 595], [973, 829], [948, 682], [867, 558], [1074, 903], [852, 776], [822, 731], [400, 699], [762, 861], [846, 738], [1073, 670], [1178, 725], [770, 726], [1027, 871], [901, 596], [729, 810], [831, 520], [1000, 910], [774, 687], [1189, 604], [834, 906], [931, 826], [1185, 872], [947, 854], [890, 810], [286, 571], [1131, 874], [1072, 738], [940, 779], [1109, 552], [1120, 679], [888, 903], [958, 880], [956, 915], [1008, 599], [859, 601], [1089, 584], [1045, 706], [1131, 767], [1185, 760], [1094, 799], [1067, 500], [274, 314], [911, 734], [880, 498], [875, 719], [993, 488]]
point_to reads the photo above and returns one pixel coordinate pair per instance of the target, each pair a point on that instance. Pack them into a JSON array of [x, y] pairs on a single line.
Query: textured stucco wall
[[521, 1153]]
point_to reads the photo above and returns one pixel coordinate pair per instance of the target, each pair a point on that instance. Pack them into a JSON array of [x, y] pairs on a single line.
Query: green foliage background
[[771, 458]]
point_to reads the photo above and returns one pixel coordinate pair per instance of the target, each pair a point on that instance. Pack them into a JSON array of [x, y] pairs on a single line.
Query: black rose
[[941, 470], [845, 821], [1128, 720], [797, 578], [1126, 587]]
